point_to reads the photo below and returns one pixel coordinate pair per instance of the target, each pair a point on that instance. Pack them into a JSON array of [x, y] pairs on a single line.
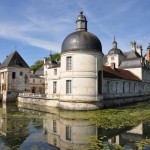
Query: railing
[[31, 95]]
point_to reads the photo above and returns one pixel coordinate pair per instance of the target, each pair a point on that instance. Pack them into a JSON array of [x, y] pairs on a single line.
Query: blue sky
[[34, 27]]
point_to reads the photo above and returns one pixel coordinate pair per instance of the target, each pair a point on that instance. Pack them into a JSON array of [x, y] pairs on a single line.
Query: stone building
[[126, 75], [14, 76], [85, 79], [77, 81], [37, 81]]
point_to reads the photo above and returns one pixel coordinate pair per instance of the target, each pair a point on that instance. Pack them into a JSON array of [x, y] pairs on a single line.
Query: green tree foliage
[[37, 65], [55, 56]]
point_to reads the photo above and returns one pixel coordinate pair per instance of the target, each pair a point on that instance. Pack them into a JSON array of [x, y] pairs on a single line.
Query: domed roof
[[115, 51], [81, 40]]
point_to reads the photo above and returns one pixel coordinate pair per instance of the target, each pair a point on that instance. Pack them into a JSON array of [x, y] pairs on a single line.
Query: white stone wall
[[136, 71], [51, 77], [83, 75], [123, 88], [117, 59]]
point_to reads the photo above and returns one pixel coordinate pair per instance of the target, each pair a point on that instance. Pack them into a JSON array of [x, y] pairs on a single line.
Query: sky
[[37, 27]]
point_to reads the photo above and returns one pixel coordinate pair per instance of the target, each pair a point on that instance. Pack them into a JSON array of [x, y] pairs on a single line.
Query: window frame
[[21, 73], [55, 72], [68, 86], [54, 87], [69, 63], [68, 133], [54, 126], [112, 58]]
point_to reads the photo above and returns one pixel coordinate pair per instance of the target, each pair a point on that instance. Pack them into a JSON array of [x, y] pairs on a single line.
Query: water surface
[[26, 127]]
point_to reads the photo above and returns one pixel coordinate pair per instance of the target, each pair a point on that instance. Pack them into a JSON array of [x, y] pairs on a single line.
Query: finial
[[50, 55], [114, 38], [81, 11]]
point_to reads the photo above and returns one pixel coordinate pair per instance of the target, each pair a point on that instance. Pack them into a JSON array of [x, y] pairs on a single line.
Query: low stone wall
[[120, 101], [107, 102], [39, 101]]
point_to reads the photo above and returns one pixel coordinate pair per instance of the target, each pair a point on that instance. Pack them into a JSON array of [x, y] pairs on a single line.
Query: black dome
[[81, 40]]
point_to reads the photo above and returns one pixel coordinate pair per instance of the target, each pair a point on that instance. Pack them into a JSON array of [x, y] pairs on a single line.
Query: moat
[[26, 127]]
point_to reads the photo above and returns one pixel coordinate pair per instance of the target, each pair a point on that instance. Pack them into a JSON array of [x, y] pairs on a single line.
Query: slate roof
[[126, 53], [133, 60], [108, 72], [115, 51], [133, 55], [14, 59], [40, 71]]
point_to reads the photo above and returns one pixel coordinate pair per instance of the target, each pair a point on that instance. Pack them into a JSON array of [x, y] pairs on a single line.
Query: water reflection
[[66, 130], [27, 128], [129, 137]]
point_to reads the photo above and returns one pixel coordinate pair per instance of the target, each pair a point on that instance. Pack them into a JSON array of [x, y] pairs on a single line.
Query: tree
[[55, 56], [38, 64]]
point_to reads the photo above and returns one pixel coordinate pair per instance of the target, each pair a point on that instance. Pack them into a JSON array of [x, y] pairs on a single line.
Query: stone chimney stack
[[133, 46], [139, 49], [148, 53]]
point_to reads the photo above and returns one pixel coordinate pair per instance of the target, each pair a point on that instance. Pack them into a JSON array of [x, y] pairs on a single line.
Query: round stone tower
[[81, 73]]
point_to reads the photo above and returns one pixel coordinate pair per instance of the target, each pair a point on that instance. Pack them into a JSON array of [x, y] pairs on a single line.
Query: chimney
[[113, 66], [139, 50], [133, 46], [148, 53]]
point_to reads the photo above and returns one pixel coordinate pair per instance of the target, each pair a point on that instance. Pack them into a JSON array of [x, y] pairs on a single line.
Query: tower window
[[68, 133], [68, 86], [55, 71], [112, 58], [21, 73], [54, 126], [54, 87], [25, 79], [69, 63], [13, 75]]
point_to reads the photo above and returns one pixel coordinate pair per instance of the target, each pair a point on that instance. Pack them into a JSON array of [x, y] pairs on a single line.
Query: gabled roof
[[108, 72], [14, 59]]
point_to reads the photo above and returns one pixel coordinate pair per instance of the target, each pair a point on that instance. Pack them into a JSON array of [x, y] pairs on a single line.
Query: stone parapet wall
[[69, 105], [120, 101], [38, 101]]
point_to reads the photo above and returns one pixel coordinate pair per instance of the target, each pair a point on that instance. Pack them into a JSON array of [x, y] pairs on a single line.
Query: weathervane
[[81, 11]]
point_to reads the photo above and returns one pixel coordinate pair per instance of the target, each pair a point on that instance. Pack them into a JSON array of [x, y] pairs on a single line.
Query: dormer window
[[112, 58], [16, 62]]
